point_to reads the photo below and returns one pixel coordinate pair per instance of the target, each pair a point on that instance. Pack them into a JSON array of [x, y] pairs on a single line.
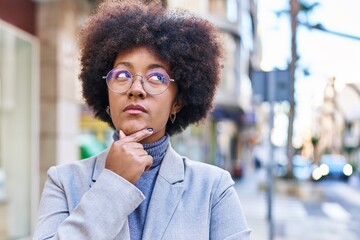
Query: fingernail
[[150, 129]]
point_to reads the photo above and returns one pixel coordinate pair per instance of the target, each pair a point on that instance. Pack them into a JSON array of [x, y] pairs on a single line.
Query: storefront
[[19, 140]]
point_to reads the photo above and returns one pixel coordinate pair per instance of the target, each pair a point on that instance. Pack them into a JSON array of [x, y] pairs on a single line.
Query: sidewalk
[[291, 220]]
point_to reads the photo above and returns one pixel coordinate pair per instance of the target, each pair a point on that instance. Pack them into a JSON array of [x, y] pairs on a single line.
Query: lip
[[134, 109]]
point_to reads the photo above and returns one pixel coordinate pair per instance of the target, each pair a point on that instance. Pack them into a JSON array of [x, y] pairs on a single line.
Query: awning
[[235, 114]]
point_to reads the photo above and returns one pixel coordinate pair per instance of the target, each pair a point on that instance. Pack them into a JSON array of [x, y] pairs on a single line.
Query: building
[[19, 114], [226, 138], [39, 102], [338, 122]]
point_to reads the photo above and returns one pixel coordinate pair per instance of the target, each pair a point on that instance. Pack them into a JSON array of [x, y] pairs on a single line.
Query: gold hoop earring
[[172, 117], [108, 111]]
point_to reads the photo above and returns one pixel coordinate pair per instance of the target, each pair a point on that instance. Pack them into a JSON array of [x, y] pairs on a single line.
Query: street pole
[[271, 93]]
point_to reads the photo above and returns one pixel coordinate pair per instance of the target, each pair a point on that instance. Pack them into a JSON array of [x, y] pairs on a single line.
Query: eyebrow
[[151, 66]]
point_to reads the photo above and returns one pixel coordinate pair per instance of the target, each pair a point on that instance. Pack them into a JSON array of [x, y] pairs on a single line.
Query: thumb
[[121, 134]]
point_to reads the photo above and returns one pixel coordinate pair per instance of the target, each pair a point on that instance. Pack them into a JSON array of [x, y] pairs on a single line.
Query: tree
[[296, 7], [294, 10]]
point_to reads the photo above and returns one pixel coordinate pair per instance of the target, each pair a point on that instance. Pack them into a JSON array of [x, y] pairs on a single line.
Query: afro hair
[[189, 44]]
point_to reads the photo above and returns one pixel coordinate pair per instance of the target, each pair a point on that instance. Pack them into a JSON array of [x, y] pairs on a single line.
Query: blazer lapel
[[166, 195], [99, 165]]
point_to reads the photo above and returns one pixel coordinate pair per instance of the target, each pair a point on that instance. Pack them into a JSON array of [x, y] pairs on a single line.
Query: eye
[[123, 74], [157, 77]]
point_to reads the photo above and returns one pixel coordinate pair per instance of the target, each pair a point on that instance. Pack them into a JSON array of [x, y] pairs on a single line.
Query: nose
[[137, 89]]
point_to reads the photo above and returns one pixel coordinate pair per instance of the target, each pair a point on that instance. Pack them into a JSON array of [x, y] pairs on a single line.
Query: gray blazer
[[190, 200]]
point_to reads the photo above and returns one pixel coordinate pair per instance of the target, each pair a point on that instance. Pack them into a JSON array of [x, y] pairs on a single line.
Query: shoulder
[[206, 181], [193, 170], [77, 170], [195, 165], [79, 166], [206, 174], [210, 169]]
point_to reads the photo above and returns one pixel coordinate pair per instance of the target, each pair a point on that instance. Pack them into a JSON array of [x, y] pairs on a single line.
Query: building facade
[[39, 102], [19, 118], [225, 138]]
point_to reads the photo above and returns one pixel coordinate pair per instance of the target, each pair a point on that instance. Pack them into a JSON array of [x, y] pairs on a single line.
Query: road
[[341, 204], [314, 211]]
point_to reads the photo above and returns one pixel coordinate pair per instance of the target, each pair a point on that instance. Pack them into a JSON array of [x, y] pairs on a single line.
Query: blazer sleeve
[[100, 214], [227, 217]]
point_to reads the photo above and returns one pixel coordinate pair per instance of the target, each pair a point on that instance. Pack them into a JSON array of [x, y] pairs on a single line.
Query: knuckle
[[135, 138], [138, 136], [121, 145]]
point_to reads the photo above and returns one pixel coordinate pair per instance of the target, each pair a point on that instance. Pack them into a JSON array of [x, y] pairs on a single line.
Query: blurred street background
[[302, 210], [285, 124]]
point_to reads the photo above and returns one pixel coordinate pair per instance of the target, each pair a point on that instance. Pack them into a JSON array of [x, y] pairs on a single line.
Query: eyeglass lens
[[154, 81]]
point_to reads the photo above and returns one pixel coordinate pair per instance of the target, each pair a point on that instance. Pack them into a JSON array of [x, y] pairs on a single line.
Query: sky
[[323, 54]]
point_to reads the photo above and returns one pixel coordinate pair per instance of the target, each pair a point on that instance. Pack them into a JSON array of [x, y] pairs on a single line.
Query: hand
[[127, 156]]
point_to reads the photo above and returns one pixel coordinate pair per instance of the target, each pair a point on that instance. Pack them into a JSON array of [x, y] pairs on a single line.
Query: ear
[[177, 106]]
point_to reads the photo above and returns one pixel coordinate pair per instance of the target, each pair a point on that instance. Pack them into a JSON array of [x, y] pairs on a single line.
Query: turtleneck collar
[[156, 149]]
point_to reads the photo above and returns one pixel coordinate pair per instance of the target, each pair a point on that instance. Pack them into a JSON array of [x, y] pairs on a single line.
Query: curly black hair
[[190, 45]]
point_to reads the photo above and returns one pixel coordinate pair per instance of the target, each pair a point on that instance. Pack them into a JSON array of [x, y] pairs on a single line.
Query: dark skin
[[135, 112], [134, 159]]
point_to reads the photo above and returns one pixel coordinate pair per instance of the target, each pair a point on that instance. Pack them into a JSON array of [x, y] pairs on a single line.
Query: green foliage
[[307, 7]]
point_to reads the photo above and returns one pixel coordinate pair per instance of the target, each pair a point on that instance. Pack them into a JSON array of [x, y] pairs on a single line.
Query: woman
[[149, 73]]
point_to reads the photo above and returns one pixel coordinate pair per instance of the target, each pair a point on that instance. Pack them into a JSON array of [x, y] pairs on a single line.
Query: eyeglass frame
[[133, 78]]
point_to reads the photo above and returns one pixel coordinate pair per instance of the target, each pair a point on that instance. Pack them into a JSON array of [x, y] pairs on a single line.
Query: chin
[[128, 130]]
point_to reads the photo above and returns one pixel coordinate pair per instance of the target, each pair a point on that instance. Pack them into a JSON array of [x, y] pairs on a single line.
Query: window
[[228, 9], [18, 132]]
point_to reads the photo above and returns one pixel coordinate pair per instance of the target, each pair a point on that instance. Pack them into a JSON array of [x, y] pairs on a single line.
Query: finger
[[149, 162], [121, 134], [138, 136]]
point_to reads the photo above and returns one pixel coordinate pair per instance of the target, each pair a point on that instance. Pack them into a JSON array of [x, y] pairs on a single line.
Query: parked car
[[302, 167], [333, 166]]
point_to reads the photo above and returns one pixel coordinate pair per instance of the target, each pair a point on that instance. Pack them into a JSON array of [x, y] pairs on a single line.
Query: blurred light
[[266, 66], [324, 169], [232, 10], [347, 170], [339, 84], [316, 174]]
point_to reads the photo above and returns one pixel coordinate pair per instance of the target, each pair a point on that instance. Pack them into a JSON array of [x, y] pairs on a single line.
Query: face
[[136, 109]]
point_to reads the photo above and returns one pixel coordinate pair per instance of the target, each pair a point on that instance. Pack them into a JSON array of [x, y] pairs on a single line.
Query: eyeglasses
[[155, 82]]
